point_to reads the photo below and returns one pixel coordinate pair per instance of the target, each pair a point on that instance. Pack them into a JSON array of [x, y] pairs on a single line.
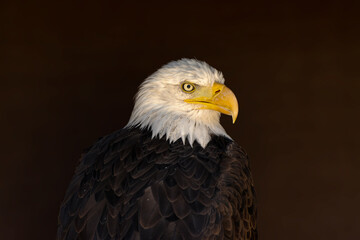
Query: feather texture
[[132, 186]]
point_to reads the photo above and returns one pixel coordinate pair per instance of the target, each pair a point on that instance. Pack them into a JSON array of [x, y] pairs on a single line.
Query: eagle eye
[[188, 87]]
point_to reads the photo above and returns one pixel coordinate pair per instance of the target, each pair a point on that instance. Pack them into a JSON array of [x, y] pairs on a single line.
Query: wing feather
[[238, 198]]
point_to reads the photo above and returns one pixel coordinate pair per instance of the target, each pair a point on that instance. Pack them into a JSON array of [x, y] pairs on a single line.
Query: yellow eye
[[188, 87]]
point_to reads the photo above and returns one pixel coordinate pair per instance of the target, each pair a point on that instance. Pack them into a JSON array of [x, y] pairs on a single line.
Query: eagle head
[[184, 99]]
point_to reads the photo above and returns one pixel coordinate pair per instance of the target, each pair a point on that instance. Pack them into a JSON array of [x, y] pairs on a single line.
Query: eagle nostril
[[217, 91]]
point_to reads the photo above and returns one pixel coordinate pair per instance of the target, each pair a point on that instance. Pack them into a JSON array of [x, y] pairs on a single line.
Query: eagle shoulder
[[237, 195]]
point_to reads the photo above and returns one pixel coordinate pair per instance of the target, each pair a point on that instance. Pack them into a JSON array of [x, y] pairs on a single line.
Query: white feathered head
[[184, 99]]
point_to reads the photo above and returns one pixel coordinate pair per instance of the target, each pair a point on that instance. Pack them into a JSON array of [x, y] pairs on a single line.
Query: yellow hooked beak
[[218, 98]]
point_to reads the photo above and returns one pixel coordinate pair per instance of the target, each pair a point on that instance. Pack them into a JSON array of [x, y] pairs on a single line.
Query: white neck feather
[[174, 127]]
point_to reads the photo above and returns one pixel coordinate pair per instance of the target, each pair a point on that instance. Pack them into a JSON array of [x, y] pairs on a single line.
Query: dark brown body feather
[[130, 186]]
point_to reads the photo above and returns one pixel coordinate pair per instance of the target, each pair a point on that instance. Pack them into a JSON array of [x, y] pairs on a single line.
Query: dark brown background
[[69, 72]]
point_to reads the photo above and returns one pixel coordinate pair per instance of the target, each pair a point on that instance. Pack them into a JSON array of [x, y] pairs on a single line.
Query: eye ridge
[[188, 87]]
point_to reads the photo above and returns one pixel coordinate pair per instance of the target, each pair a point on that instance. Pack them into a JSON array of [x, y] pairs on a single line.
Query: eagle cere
[[171, 173]]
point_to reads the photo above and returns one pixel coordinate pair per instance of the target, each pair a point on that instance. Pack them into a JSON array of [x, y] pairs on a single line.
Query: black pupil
[[188, 86]]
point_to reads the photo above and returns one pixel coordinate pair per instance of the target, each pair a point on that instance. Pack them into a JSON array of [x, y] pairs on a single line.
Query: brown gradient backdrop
[[69, 72]]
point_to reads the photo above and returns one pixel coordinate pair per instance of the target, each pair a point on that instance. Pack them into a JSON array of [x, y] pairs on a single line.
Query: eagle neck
[[174, 127]]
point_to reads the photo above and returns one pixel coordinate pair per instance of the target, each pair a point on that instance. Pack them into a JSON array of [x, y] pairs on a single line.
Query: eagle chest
[[170, 188]]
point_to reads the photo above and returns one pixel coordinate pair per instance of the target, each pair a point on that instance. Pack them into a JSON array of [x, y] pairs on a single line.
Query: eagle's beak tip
[[234, 118]]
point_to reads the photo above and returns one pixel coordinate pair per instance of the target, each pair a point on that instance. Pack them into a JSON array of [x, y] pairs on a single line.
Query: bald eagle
[[171, 173]]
